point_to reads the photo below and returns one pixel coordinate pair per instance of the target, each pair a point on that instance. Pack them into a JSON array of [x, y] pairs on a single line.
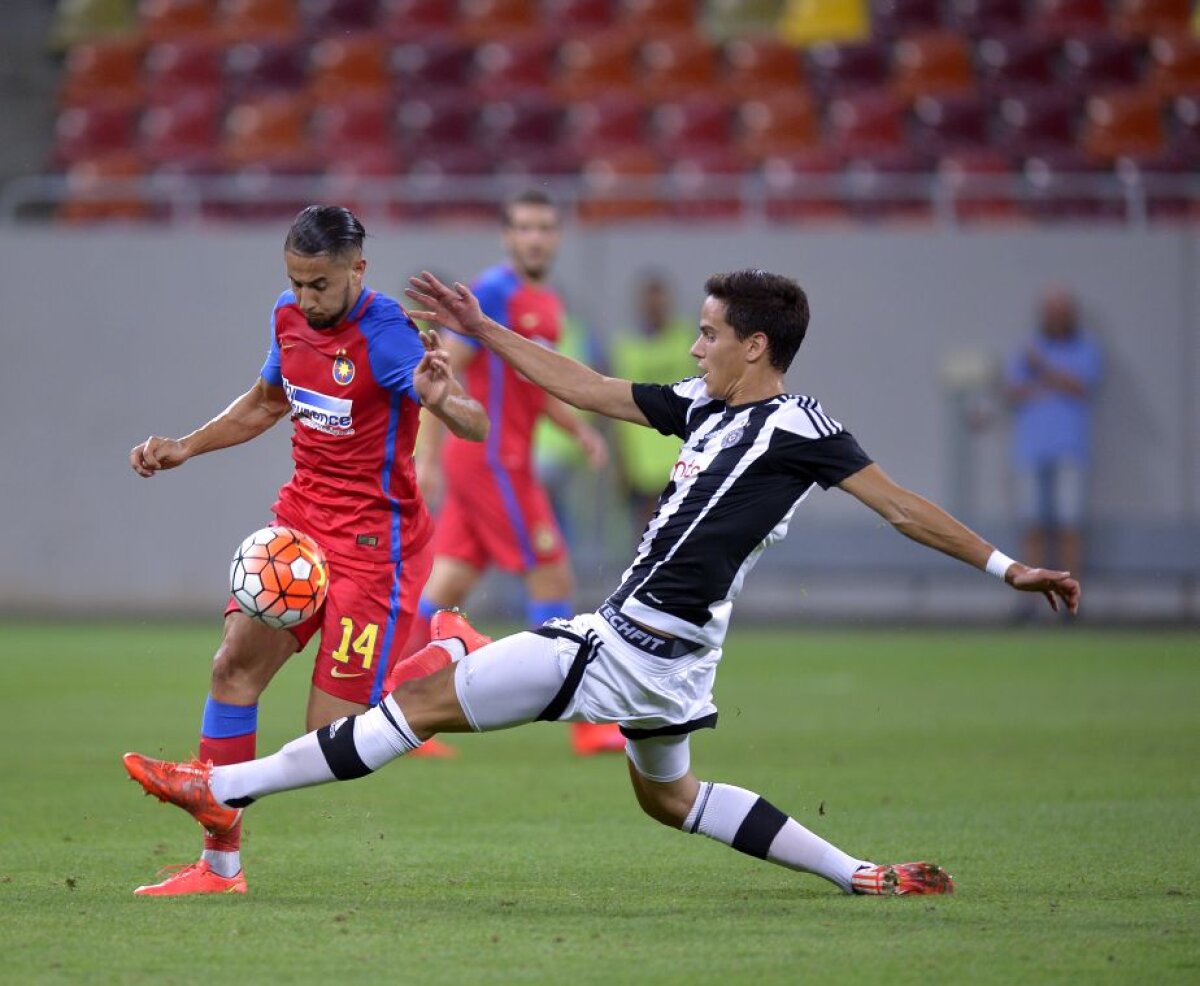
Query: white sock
[[753, 825], [226, 864], [348, 748], [452, 646]]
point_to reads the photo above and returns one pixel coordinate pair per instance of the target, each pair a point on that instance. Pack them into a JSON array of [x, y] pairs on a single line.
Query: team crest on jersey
[[733, 437], [544, 539], [343, 370]]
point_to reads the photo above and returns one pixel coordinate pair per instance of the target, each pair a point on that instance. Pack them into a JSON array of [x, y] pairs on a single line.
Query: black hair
[[325, 229], [531, 196], [759, 301]]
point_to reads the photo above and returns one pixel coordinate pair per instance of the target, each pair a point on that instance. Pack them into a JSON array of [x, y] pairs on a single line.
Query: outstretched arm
[[927, 523], [580, 386], [246, 418], [443, 396]]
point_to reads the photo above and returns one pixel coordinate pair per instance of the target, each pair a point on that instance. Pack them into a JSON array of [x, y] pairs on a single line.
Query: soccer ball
[[279, 576]]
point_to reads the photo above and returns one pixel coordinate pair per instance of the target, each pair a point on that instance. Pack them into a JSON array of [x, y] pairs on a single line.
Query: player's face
[[531, 239], [325, 286], [718, 351]]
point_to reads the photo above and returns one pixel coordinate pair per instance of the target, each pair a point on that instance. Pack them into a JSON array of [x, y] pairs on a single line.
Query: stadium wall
[[114, 335]]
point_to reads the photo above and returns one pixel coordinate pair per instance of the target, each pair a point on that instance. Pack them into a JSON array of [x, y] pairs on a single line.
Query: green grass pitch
[[1054, 772]]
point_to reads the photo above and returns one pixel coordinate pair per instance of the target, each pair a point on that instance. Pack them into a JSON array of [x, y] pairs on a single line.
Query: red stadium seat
[[487, 20], [1174, 65], [95, 191], [981, 185], [675, 66], [1185, 126], [804, 186], [416, 21], [757, 67], [622, 186], [169, 20], [892, 185], [175, 67], [435, 176], [1146, 18], [531, 162], [182, 131], [325, 18], [269, 129], [932, 65], [866, 123], [1122, 124], [595, 64], [1103, 62], [515, 126], [692, 127], [650, 17], [1161, 181], [611, 122], [437, 123], [1037, 122], [839, 69], [258, 21], [778, 126], [706, 185], [357, 62], [947, 124], [1066, 18], [352, 177], [504, 69], [252, 67], [987, 17], [355, 125], [92, 132], [571, 18], [899, 18], [1015, 63], [1068, 185], [425, 67], [102, 71]]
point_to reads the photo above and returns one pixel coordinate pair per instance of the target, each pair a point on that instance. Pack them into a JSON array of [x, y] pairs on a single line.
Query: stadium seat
[[92, 132], [692, 127], [531, 162], [356, 177], [357, 62], [429, 66], [1068, 185], [893, 19], [181, 131], [1174, 65], [1161, 182], [326, 18], [252, 67], [1015, 63], [170, 20], [1185, 126], [514, 126], [1037, 122], [595, 64], [866, 123], [652, 17], [436, 198], [948, 124], [932, 65], [508, 68], [892, 184], [676, 66], [781, 125], [839, 69], [1121, 124], [1146, 18], [1103, 62], [804, 186], [1067, 18], [571, 18], [258, 21], [175, 67], [102, 71], [978, 18], [92, 197], [622, 186], [980, 185], [706, 185], [357, 124], [438, 122], [613, 121], [268, 129], [491, 20], [757, 67], [259, 192], [416, 21]]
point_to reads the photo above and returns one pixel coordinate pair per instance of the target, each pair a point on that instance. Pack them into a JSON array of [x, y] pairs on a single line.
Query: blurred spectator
[[655, 350], [1050, 384]]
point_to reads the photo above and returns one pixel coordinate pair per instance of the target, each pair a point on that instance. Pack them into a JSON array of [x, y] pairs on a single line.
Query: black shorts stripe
[[337, 743], [583, 657], [758, 829], [678, 729]]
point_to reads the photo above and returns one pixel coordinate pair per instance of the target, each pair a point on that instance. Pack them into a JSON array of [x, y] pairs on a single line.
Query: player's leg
[[450, 582], [249, 656], [667, 790]]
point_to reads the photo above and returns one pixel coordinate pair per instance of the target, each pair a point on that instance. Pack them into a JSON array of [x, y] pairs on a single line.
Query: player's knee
[[430, 704], [236, 677]]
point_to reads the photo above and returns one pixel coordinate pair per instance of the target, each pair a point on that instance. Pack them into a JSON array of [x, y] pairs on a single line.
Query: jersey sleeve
[[665, 406], [394, 348], [493, 293], [271, 371], [827, 461]]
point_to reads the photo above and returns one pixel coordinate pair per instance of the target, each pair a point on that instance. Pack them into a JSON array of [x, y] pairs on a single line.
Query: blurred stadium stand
[[909, 87]]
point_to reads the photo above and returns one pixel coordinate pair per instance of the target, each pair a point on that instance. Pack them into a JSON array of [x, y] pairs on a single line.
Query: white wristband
[[997, 564]]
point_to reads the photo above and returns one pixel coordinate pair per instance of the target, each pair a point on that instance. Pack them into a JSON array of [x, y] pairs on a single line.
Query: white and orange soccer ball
[[279, 576]]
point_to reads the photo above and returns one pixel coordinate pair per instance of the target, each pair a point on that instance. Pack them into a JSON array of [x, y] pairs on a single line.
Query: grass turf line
[[1052, 772]]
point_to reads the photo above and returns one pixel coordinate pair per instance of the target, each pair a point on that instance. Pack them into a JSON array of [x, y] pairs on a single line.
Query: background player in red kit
[[353, 371], [494, 511]]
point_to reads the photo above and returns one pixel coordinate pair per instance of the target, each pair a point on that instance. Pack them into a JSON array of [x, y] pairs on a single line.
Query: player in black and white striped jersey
[[647, 659]]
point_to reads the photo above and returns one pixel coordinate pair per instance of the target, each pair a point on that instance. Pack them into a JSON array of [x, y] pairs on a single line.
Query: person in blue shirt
[[1051, 384]]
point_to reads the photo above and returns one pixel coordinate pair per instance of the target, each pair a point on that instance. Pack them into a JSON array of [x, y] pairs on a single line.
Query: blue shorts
[[1052, 494]]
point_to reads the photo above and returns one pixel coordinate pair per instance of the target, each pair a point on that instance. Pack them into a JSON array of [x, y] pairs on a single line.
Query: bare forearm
[[246, 418], [561, 376], [463, 416], [928, 524]]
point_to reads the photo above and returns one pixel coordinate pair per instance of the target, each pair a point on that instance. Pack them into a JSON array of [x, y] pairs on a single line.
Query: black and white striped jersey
[[741, 473]]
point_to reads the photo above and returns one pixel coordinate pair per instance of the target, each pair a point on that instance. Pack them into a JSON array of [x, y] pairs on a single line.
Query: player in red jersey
[[494, 510], [353, 372]]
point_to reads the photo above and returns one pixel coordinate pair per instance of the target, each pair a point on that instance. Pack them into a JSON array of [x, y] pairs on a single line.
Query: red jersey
[[513, 403], [355, 412]]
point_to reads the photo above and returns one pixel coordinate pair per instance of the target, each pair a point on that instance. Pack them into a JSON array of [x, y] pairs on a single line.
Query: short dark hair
[[759, 301], [325, 229], [531, 196]]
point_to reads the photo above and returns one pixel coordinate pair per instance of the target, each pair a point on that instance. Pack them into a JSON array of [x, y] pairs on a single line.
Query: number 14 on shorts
[[361, 644]]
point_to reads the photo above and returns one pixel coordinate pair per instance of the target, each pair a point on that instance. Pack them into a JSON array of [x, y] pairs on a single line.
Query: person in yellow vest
[[655, 350]]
